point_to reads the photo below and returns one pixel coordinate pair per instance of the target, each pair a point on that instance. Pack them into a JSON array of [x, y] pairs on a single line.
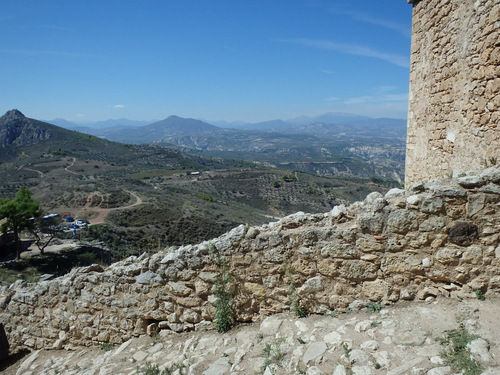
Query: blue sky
[[248, 60]]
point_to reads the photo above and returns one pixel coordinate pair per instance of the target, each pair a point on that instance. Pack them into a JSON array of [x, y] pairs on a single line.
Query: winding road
[[102, 213]]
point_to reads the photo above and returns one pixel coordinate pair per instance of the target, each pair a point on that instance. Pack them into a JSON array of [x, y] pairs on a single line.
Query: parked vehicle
[[81, 223]]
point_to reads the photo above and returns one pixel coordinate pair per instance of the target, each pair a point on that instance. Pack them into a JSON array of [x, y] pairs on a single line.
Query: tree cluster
[[19, 214]]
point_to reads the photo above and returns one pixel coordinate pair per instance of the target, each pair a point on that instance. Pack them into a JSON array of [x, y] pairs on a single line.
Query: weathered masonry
[[441, 238], [453, 116]]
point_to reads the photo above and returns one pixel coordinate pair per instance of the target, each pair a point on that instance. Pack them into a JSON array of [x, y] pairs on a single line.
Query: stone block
[[401, 221]]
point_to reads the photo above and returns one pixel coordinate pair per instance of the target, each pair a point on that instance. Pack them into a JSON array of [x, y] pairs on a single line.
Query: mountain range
[[353, 146], [270, 125], [318, 145]]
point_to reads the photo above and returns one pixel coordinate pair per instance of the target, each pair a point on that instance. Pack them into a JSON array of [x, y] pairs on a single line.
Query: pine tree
[[18, 214]]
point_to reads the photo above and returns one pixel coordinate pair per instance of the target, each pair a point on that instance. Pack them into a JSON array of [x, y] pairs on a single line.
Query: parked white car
[[81, 223]]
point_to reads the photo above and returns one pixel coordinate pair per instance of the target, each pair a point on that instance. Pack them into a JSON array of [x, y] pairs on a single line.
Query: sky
[[233, 60]]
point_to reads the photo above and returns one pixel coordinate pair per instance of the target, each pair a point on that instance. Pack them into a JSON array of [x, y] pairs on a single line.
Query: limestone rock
[[480, 350], [414, 200], [471, 181], [312, 285], [491, 174], [409, 338], [148, 277], [432, 205], [220, 366], [340, 370], [314, 351], [401, 221]]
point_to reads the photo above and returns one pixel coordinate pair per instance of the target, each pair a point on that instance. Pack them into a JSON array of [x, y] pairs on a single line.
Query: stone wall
[[454, 104], [441, 238]]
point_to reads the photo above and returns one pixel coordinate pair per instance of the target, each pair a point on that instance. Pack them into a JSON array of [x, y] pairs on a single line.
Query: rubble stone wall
[[454, 104], [438, 238]]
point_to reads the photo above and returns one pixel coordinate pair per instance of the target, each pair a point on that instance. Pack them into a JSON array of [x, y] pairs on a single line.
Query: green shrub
[[151, 369], [299, 310], [480, 295], [206, 197], [333, 314], [107, 346], [374, 307]]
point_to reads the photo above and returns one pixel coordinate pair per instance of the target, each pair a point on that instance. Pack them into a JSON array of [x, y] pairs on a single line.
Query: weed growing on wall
[[224, 312], [295, 301]]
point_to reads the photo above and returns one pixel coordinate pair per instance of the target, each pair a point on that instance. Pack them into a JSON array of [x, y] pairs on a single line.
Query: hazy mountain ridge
[[110, 123], [303, 142], [164, 130], [268, 125]]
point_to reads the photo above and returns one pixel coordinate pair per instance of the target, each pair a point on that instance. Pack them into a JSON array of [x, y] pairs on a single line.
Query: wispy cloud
[[117, 106], [377, 99], [350, 49], [363, 17], [326, 71]]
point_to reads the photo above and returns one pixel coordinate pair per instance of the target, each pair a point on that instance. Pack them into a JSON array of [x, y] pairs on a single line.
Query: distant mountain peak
[[13, 114], [18, 130]]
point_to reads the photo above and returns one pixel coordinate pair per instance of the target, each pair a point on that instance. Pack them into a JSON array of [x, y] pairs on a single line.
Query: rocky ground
[[397, 340]]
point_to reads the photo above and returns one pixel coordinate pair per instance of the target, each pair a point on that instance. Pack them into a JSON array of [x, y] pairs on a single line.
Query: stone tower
[[454, 104]]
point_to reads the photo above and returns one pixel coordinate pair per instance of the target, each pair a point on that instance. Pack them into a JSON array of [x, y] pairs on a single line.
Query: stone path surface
[[397, 340]]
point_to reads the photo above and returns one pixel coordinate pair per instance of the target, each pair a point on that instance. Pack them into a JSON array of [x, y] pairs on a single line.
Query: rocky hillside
[[17, 130], [26, 140]]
